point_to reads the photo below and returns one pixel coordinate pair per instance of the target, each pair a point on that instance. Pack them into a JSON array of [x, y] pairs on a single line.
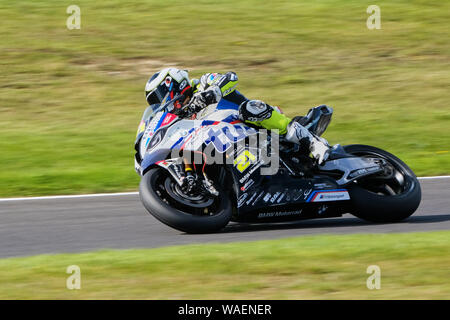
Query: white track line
[[118, 194], [94, 195], [432, 178]]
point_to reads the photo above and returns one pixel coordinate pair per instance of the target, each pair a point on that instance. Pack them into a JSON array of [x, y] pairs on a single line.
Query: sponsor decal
[[322, 185], [183, 84], [275, 196], [288, 196], [256, 166], [363, 171], [166, 163], [244, 160], [258, 197], [296, 194], [247, 185], [329, 195], [249, 173], [251, 199], [322, 209], [306, 193], [141, 127], [359, 171], [168, 119], [278, 214], [282, 196], [267, 197], [242, 199], [162, 163], [242, 180]]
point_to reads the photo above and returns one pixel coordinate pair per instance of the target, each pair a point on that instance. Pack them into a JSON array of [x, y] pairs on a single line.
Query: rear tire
[[376, 207], [155, 201]]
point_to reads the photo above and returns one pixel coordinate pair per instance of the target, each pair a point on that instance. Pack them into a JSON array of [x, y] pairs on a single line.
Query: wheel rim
[[395, 181], [175, 192], [170, 193]]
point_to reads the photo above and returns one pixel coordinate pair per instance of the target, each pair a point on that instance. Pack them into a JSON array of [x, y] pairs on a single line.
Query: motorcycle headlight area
[[156, 139]]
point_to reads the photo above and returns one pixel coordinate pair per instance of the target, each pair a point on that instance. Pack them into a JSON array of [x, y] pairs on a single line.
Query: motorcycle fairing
[[353, 167], [282, 197], [256, 193], [166, 132]]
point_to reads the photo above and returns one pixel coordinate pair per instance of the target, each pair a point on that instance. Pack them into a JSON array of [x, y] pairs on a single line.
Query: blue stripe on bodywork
[[176, 143], [208, 122], [146, 142], [182, 138], [230, 118], [318, 191], [160, 121]]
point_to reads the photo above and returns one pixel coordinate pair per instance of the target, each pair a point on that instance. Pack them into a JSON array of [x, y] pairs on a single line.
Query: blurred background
[[70, 100]]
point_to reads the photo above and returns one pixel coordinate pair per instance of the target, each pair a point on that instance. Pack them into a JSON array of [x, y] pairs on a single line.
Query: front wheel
[[389, 197], [192, 214]]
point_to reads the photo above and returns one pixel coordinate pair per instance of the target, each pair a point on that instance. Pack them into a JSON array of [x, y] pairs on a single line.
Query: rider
[[212, 87]]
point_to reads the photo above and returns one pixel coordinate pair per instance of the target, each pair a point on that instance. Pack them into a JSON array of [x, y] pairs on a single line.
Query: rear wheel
[[388, 197], [166, 201]]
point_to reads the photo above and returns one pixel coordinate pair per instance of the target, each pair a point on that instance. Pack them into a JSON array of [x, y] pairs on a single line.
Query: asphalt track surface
[[77, 224]]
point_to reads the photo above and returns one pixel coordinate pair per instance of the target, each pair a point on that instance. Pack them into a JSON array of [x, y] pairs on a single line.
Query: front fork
[[186, 177]]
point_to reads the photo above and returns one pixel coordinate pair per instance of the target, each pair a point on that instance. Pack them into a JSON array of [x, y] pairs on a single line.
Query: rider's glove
[[203, 99]]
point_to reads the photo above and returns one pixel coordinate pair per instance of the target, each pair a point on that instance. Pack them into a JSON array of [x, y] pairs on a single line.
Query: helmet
[[166, 84]]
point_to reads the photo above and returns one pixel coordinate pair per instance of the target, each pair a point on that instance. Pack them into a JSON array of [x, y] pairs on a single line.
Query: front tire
[[165, 207], [389, 200]]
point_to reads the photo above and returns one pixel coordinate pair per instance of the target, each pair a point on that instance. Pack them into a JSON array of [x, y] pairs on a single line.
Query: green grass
[[413, 266], [70, 100]]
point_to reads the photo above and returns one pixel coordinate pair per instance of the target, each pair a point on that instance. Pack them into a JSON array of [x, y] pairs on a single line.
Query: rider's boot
[[318, 147]]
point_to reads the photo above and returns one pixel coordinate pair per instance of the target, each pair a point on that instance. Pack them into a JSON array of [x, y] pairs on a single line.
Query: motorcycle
[[203, 196]]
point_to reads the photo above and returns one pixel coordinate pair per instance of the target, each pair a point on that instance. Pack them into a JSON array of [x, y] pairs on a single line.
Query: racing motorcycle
[[183, 188]]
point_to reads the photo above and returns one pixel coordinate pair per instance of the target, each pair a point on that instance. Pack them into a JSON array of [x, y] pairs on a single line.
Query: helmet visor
[[157, 95]]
